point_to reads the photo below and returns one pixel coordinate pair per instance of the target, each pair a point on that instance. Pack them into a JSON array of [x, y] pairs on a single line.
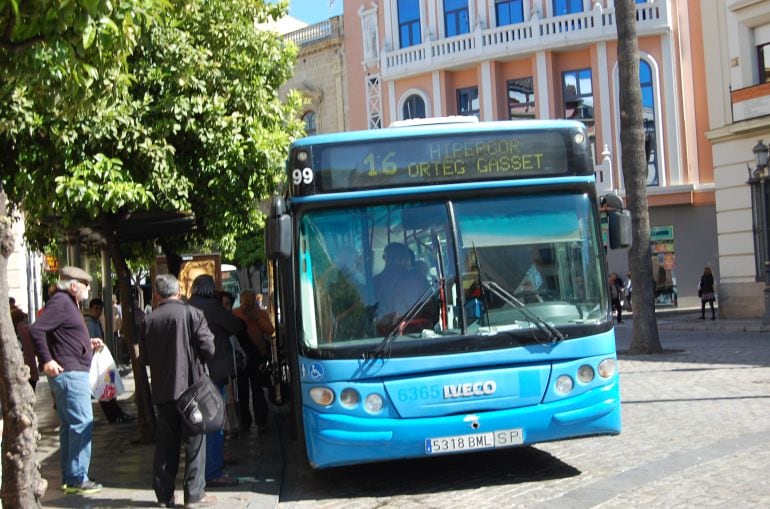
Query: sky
[[313, 11]]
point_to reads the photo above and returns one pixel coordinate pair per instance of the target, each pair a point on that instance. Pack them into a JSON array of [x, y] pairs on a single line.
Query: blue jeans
[[72, 394], [215, 448]]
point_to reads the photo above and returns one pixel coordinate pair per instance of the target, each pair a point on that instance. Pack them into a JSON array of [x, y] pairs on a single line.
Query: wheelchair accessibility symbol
[[315, 371]]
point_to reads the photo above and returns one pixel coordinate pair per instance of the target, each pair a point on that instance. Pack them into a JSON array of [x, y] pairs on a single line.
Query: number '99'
[[304, 176]]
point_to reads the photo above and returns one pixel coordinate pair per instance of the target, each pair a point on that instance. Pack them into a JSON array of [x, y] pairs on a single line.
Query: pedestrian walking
[[616, 295], [627, 291], [64, 350], [163, 348], [706, 293]]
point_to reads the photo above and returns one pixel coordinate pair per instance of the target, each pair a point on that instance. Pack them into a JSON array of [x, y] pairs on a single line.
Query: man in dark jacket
[[64, 351], [163, 347], [223, 325]]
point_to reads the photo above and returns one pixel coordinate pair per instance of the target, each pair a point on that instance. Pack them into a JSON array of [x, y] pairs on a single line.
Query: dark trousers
[[169, 437], [250, 393], [617, 307], [703, 308], [112, 410]]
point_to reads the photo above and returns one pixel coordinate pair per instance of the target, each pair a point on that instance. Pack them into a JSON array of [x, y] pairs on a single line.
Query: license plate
[[474, 441]]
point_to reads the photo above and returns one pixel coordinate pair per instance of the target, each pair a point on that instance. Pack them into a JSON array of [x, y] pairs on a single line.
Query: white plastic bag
[[104, 377]]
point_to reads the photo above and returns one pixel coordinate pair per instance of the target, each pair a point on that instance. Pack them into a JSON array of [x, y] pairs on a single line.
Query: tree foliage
[[58, 59], [112, 108]]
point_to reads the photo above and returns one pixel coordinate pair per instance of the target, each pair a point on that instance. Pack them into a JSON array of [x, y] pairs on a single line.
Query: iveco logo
[[474, 389]]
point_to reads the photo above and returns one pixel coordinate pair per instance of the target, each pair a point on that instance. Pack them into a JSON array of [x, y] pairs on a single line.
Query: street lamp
[[758, 182]]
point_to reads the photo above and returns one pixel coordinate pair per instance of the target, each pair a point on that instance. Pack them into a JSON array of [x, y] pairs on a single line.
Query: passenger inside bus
[[398, 286]]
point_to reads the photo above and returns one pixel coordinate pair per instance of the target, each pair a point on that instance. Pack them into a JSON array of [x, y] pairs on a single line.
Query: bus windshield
[[435, 273]]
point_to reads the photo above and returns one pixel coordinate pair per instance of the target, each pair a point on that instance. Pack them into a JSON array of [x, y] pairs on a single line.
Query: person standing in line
[[111, 408], [706, 293], [255, 344], [163, 348], [52, 288], [221, 368], [21, 325], [64, 349], [117, 324]]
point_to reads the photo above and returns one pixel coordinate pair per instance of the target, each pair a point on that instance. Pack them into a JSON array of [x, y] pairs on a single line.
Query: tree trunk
[[142, 393], [645, 328], [22, 485]]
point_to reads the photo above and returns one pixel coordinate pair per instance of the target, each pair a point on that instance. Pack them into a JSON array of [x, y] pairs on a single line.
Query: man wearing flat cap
[[64, 350]]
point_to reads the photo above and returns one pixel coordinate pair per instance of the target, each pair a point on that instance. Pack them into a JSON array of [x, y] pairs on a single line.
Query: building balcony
[[511, 41], [316, 32]]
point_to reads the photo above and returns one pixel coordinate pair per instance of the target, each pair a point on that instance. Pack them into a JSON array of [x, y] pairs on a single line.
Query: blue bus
[[440, 288]]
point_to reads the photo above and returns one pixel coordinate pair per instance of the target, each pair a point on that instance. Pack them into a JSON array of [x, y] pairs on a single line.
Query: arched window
[[650, 125], [310, 122], [414, 107]]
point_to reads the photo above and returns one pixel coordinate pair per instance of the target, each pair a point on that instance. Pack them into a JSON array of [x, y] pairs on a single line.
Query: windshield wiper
[[414, 310], [554, 335]]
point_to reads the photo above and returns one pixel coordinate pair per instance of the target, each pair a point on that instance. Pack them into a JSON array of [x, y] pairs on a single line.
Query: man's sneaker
[[85, 488], [207, 500]]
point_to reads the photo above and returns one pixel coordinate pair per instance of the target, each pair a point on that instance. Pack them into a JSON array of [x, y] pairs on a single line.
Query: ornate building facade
[[546, 59], [320, 75], [738, 85]]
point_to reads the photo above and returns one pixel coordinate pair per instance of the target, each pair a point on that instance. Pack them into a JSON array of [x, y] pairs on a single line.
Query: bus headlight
[[349, 398], [322, 395], [608, 368], [564, 385], [585, 373], [373, 403]]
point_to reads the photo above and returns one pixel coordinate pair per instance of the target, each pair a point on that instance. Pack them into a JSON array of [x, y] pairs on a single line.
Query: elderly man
[[163, 347], [64, 351]]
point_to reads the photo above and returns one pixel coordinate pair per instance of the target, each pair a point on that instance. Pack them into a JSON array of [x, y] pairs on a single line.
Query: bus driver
[[398, 286]]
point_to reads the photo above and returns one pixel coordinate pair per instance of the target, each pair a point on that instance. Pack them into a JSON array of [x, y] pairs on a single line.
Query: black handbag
[[200, 405]]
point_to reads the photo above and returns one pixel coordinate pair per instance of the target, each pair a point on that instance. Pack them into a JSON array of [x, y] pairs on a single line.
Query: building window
[[763, 58], [309, 118], [521, 98], [456, 18], [468, 101], [561, 7], [508, 12], [578, 95], [650, 127], [409, 23], [414, 107]]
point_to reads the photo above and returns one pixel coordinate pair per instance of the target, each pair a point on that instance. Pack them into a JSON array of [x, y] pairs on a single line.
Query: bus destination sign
[[442, 159]]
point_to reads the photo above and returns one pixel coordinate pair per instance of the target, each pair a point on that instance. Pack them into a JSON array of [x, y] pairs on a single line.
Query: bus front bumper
[[335, 439]]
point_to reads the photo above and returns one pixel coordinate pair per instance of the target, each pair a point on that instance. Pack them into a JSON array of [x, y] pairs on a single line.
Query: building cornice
[[739, 130]]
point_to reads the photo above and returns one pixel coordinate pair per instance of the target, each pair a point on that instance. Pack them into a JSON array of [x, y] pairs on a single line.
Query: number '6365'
[[422, 392]]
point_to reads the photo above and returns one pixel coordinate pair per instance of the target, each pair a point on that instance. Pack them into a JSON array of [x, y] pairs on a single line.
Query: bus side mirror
[[278, 232], [619, 229]]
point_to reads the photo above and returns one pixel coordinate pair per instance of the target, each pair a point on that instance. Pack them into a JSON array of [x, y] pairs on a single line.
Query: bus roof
[[432, 128]]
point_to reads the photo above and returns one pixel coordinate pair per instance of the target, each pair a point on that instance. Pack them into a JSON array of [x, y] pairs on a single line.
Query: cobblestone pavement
[[696, 421], [124, 466]]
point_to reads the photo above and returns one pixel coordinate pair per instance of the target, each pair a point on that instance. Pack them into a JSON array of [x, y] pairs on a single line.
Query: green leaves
[[131, 105], [101, 185]]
